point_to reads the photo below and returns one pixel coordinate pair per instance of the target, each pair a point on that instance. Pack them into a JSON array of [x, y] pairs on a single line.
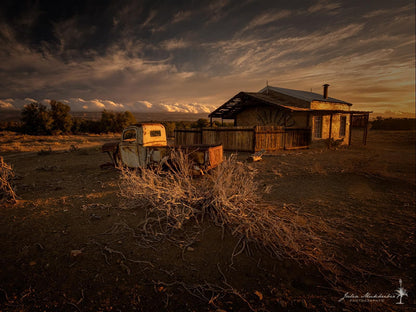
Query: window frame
[[318, 122], [155, 133], [127, 137]]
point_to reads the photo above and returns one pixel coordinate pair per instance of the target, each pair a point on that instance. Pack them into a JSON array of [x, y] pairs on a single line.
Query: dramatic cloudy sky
[[192, 56]]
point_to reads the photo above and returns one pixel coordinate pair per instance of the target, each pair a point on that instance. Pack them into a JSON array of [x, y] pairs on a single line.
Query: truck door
[[129, 148]]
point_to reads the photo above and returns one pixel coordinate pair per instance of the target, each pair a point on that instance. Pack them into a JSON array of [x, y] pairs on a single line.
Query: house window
[[317, 132], [342, 126]]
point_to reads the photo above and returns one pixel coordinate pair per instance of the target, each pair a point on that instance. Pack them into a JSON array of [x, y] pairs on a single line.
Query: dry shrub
[[6, 175], [171, 196], [229, 196]]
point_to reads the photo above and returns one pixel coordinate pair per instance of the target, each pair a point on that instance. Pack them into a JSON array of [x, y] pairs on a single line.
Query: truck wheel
[[117, 159]]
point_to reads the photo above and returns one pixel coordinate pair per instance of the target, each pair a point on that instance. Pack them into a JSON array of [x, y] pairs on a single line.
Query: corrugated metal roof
[[303, 95], [233, 106], [237, 103], [272, 100]]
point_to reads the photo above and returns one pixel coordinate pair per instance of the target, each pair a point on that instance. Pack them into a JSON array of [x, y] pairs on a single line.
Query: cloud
[[266, 18], [390, 12], [151, 16], [174, 44], [187, 108], [215, 10], [256, 55], [194, 57], [79, 104], [17, 104], [93, 105], [7, 104], [172, 107], [325, 6], [142, 106], [181, 16]]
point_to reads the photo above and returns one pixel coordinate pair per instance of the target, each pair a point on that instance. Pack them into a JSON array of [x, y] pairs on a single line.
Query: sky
[[192, 56]]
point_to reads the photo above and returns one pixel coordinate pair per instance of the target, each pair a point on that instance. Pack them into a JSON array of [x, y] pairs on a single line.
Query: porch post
[[365, 130], [330, 126], [350, 130], [210, 121]]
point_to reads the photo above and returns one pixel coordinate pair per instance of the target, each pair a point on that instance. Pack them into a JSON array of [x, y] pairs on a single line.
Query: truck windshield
[[129, 135]]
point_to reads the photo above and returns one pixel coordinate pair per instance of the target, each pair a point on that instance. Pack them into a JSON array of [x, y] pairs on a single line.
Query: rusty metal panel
[[129, 154], [215, 156]]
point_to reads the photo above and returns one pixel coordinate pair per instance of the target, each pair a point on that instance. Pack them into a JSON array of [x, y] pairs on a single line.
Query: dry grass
[[6, 175], [16, 142], [229, 197]]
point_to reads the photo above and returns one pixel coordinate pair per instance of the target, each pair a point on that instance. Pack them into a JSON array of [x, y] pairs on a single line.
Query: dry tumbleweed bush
[[229, 196], [171, 196], [6, 175]]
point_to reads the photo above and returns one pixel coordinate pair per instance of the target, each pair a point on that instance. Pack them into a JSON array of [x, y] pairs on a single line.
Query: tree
[[116, 122], [200, 123], [36, 119], [123, 120], [108, 121], [62, 120]]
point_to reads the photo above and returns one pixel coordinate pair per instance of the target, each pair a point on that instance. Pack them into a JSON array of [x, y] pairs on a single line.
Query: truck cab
[[143, 144]]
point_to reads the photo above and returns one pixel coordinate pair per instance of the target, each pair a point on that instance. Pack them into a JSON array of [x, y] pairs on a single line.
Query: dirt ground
[[68, 244]]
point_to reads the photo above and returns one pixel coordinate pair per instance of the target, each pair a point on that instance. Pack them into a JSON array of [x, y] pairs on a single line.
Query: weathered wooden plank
[[246, 138]]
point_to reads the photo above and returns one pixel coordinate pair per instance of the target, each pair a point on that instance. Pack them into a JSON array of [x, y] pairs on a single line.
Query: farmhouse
[[277, 118], [325, 117]]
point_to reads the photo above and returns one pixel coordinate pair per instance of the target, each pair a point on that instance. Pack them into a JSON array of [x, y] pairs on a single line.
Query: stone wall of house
[[335, 130]]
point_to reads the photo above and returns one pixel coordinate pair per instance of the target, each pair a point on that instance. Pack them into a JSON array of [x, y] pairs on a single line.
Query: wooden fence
[[246, 139]]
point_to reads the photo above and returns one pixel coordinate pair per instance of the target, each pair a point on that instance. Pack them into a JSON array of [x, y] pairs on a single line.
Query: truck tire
[[117, 159]]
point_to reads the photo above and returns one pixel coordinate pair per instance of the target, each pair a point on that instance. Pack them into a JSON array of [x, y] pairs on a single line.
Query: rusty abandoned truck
[[145, 145]]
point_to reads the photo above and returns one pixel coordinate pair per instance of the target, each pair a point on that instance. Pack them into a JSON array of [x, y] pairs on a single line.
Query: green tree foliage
[[123, 120], [36, 119], [62, 120], [116, 122], [108, 121], [201, 123]]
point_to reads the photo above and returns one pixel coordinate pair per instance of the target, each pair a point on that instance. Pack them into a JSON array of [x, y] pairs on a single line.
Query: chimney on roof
[[325, 90]]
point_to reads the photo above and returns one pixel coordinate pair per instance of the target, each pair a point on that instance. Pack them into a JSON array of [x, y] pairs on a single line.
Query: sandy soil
[[67, 203]]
